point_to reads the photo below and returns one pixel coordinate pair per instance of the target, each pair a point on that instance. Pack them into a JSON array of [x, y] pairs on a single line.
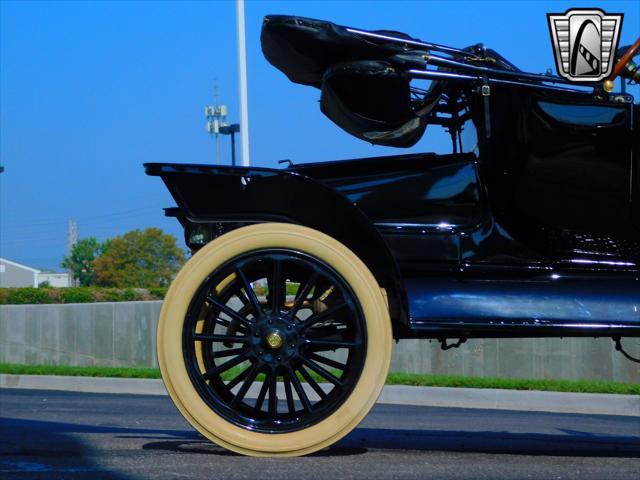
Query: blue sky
[[90, 91]]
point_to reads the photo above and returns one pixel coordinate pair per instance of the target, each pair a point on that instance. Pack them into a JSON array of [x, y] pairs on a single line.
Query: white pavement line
[[558, 402]]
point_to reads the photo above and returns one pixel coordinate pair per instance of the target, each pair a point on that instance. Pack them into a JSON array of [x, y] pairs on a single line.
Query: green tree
[[80, 261], [139, 258]]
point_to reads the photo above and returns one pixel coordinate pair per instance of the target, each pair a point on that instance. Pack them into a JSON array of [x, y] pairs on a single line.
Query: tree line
[[139, 258]]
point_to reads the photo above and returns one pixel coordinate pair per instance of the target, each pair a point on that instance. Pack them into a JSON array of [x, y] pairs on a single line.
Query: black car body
[[532, 228], [529, 228]]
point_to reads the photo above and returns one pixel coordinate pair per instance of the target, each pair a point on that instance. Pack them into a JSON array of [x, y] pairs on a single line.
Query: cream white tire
[[376, 319]]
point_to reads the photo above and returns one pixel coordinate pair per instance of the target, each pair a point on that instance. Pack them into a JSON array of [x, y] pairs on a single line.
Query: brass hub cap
[[274, 340]]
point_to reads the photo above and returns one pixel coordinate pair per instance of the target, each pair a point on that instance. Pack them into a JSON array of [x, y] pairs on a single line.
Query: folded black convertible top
[[303, 48], [366, 76], [365, 88]]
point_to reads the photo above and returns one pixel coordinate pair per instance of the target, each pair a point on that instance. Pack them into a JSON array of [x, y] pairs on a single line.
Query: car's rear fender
[[214, 199]]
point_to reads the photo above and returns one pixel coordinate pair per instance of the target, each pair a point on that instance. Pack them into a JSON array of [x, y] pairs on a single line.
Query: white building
[[14, 274], [55, 279]]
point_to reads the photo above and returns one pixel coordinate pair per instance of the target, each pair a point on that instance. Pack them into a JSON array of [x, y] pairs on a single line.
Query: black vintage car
[[275, 338]]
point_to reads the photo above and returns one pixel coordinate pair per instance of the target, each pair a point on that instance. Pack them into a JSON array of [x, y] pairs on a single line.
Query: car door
[[574, 184]]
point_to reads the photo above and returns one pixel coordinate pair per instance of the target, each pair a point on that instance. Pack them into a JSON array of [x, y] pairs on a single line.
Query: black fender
[[243, 195]]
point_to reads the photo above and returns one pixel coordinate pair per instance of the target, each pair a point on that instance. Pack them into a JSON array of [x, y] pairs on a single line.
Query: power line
[[78, 213], [105, 223], [84, 219]]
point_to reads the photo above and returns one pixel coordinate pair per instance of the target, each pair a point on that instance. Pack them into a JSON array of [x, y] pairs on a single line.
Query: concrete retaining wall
[[117, 334], [540, 358], [123, 334]]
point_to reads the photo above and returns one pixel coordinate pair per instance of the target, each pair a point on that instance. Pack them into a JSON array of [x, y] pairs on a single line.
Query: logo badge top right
[[585, 43]]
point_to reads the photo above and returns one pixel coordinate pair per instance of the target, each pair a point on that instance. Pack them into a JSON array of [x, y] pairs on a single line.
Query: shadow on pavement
[[43, 448], [207, 447], [567, 443], [34, 449]]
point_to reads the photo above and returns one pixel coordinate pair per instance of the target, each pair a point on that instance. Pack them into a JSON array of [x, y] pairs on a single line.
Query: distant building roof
[[16, 264]]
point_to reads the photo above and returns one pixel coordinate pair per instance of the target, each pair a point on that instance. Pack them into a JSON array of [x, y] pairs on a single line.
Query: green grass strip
[[114, 372], [415, 379], [577, 386]]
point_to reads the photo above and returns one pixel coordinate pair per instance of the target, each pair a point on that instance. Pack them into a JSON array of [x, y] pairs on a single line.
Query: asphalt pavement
[[61, 435]]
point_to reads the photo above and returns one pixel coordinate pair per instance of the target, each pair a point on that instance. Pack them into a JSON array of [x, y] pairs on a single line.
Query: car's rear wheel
[[274, 339]]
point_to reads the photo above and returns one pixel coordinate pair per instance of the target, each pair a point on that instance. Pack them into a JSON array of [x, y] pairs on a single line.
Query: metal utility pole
[[72, 239], [72, 235], [216, 119], [216, 101], [242, 73], [217, 125]]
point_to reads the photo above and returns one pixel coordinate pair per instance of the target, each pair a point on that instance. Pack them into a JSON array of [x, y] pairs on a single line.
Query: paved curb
[[486, 398], [136, 386], [558, 402]]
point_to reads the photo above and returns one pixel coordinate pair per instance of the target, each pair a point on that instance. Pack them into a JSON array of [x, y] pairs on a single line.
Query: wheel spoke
[[242, 297], [227, 332], [235, 326], [225, 366], [261, 395], [302, 294], [226, 323], [320, 317], [322, 371], [255, 303], [302, 395], [227, 353], [327, 361], [209, 337], [273, 399], [228, 310], [289, 394], [238, 378], [251, 376], [312, 382], [276, 287], [320, 345]]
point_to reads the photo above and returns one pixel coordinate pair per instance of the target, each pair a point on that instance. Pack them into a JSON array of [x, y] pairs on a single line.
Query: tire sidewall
[[190, 279]]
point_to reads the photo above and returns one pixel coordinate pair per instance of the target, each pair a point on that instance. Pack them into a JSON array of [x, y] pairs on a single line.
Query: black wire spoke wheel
[[265, 324], [274, 340]]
